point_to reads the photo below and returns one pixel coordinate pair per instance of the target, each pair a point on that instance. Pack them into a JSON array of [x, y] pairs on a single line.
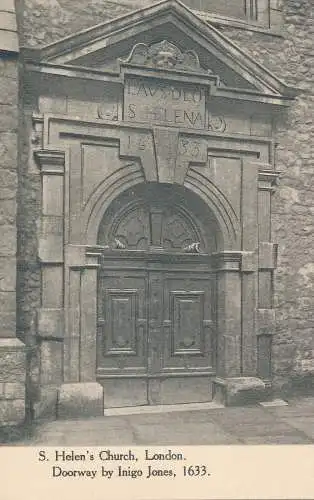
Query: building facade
[[156, 203]]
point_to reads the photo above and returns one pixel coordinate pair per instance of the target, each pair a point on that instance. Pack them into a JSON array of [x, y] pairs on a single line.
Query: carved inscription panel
[[162, 102]]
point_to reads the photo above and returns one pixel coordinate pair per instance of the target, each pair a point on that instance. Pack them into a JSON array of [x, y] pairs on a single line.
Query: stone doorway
[[156, 330]]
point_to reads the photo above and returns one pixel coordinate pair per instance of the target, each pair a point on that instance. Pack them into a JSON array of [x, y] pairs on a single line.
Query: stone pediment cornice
[[91, 48]]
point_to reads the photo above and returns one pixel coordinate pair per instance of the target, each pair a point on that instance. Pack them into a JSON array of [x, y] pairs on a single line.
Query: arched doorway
[[156, 340]]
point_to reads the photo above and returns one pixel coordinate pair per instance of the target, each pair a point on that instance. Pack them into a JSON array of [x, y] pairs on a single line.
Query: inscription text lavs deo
[[150, 101]]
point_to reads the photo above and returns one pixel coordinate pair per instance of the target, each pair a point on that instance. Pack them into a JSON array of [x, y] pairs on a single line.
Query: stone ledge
[[11, 344], [81, 399], [238, 391]]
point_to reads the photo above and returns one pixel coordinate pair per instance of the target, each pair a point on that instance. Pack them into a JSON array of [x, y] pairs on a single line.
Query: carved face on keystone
[[165, 59]]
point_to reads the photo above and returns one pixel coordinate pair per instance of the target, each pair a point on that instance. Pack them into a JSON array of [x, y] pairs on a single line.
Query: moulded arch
[[183, 218], [105, 193], [228, 225], [228, 222]]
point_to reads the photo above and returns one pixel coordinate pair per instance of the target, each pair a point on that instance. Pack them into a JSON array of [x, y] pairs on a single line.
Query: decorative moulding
[[227, 261], [268, 180], [165, 55], [50, 162]]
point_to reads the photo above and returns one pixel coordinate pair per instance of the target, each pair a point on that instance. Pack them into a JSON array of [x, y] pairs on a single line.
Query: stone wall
[[289, 56], [8, 187], [12, 352]]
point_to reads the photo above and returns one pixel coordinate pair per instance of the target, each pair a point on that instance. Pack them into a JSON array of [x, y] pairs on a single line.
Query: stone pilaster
[[50, 316], [233, 386], [80, 394], [267, 262], [227, 266]]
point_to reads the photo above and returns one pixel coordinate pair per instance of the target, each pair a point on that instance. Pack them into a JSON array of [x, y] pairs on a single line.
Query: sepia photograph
[[157, 226]]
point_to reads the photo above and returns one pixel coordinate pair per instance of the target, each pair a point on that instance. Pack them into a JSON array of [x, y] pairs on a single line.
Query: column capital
[[50, 161], [268, 180], [227, 261], [83, 256]]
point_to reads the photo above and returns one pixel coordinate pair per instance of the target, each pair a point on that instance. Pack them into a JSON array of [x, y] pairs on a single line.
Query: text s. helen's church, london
[[156, 203]]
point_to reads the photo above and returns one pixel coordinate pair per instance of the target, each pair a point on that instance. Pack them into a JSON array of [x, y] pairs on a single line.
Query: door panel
[[155, 334], [122, 323], [188, 324]]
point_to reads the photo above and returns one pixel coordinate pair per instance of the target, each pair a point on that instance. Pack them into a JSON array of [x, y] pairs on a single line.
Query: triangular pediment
[[132, 39]]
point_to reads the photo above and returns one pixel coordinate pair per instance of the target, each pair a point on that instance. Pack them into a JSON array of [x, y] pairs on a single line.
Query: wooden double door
[[156, 329]]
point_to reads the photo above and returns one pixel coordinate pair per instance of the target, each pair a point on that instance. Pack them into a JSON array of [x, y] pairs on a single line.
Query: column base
[[12, 381], [239, 391], [80, 400]]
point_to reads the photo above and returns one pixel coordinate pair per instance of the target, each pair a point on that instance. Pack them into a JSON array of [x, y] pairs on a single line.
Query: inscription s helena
[[166, 115], [162, 91], [177, 117]]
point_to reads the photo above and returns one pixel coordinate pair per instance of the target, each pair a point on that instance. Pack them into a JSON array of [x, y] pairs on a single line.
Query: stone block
[[51, 323], [260, 126], [266, 321], [80, 400], [238, 391], [8, 324], [7, 301], [14, 390], [52, 104], [7, 274], [8, 91], [8, 239], [50, 362], [52, 287], [276, 19], [267, 258], [12, 412], [46, 407], [249, 262], [52, 195], [51, 239], [9, 40], [7, 211], [12, 360], [8, 117], [8, 149], [8, 66]]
